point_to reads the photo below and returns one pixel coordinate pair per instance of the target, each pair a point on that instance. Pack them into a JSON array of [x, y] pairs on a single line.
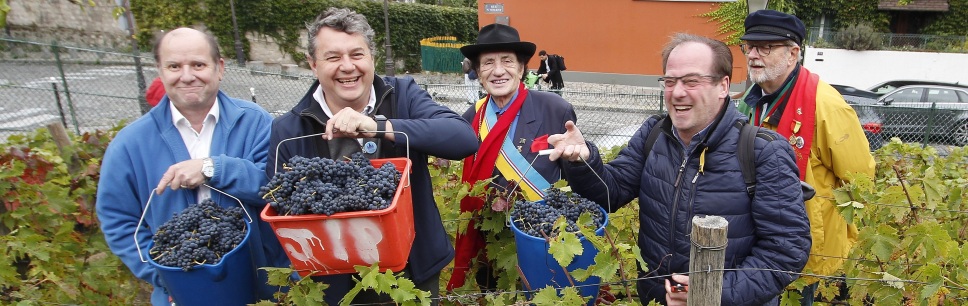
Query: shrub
[[858, 37]]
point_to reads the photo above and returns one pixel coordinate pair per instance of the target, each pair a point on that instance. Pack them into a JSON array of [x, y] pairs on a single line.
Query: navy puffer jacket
[[767, 234]]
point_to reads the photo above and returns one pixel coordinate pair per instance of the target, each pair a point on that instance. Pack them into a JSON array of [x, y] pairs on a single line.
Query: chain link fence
[[895, 41], [86, 90]]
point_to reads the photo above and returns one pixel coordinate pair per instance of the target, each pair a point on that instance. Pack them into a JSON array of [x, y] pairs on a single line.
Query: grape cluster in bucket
[[201, 234], [537, 218], [325, 186]]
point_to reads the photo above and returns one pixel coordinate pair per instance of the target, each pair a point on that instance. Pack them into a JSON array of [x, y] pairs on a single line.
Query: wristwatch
[[208, 168], [381, 126]]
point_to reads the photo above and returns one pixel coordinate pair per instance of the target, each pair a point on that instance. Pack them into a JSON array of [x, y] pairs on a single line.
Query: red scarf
[[479, 167], [798, 120]]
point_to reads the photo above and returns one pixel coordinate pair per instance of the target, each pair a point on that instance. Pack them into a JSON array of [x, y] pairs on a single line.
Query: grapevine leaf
[[931, 275], [405, 291], [546, 296], [882, 242], [928, 238], [570, 296], [565, 247], [790, 298], [278, 276], [385, 282]]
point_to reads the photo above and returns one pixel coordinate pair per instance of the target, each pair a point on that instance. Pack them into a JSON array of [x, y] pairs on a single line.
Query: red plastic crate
[[326, 245]]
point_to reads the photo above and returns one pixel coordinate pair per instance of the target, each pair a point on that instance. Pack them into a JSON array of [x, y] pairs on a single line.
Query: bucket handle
[[608, 196], [145, 211], [279, 145]]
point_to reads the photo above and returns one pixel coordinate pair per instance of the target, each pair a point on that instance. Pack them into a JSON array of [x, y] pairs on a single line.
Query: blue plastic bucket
[[542, 271], [230, 282]]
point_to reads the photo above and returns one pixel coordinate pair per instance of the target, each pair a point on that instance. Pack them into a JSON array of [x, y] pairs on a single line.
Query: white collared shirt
[[320, 98], [198, 143]]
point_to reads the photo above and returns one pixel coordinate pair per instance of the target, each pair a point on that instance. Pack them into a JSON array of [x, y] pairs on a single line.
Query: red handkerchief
[[539, 143]]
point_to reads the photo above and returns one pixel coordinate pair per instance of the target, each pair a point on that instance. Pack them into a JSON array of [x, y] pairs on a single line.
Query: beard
[[769, 72]]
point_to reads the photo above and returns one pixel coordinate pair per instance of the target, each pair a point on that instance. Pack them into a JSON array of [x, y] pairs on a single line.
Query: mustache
[[755, 63]]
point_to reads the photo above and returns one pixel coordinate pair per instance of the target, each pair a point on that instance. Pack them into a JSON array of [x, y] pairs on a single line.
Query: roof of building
[[914, 5]]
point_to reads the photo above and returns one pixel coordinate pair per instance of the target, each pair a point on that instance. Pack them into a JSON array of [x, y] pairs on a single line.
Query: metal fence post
[[707, 257], [60, 108], [67, 92], [930, 126]]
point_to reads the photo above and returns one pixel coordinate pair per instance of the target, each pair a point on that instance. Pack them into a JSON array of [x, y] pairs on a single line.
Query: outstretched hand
[[570, 145]]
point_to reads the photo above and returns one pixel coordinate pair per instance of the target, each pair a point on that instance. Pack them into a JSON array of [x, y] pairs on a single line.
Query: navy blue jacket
[[543, 113], [433, 130], [769, 231]]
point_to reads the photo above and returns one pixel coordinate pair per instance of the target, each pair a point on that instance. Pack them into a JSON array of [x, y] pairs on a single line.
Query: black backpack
[[560, 60], [744, 152]]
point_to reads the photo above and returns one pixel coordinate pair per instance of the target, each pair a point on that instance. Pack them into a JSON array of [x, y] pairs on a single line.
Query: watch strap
[[381, 126]]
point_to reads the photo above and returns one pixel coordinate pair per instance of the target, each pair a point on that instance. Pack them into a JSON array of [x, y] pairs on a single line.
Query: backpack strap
[[744, 152], [653, 136]]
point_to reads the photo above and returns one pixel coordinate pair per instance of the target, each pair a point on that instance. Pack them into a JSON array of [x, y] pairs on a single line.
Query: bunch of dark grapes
[[537, 219], [200, 234], [324, 186]]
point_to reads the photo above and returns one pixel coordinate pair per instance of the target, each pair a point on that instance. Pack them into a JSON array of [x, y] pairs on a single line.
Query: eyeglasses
[[689, 81], [763, 50], [507, 62]]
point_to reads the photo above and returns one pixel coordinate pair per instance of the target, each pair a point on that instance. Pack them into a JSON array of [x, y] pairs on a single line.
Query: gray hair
[[722, 57], [343, 20]]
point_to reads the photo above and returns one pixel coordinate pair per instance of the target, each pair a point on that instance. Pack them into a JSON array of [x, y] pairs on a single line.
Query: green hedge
[[284, 19]]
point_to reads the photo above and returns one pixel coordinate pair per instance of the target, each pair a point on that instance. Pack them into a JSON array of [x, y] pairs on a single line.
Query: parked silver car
[[926, 112]]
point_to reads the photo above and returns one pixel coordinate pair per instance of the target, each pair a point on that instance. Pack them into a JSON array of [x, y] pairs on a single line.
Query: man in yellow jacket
[[823, 130]]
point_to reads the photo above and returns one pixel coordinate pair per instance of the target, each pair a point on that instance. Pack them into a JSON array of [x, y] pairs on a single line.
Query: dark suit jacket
[[543, 113], [554, 72]]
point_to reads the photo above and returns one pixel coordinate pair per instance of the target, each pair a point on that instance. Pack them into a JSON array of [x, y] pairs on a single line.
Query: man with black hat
[[361, 112], [512, 123], [822, 129]]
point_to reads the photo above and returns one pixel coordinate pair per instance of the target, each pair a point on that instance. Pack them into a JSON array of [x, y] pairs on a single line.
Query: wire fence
[[86, 90], [896, 41]]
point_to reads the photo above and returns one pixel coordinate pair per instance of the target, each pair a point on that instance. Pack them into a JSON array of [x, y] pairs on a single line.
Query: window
[[963, 96], [906, 95], [942, 95]]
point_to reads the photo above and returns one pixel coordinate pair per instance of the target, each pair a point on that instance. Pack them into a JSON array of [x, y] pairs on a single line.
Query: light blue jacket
[[140, 154]]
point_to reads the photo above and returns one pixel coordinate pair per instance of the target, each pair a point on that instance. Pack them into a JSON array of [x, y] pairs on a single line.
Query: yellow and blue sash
[[512, 165]]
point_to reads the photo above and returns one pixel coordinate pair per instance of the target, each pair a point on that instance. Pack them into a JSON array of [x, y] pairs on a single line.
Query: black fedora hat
[[499, 37]]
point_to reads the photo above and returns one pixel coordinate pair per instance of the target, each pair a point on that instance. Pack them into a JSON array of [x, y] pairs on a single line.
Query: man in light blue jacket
[[196, 135]]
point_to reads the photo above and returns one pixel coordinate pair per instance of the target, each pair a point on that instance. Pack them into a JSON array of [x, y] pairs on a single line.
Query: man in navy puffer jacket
[[692, 170]]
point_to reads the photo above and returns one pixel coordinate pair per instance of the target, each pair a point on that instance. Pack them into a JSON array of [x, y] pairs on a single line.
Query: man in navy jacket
[[349, 103], [691, 171]]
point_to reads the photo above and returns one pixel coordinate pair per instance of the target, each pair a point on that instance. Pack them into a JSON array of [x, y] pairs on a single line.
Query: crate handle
[[145, 211], [279, 145]]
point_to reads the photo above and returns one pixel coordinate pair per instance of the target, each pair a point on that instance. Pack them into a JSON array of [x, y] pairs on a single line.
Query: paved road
[[102, 95]]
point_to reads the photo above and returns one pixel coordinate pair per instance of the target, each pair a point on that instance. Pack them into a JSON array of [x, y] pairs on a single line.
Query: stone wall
[[265, 49], [68, 23]]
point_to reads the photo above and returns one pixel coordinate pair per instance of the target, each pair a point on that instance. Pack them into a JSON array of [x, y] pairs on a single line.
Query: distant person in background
[[822, 129], [471, 83], [550, 72], [155, 92]]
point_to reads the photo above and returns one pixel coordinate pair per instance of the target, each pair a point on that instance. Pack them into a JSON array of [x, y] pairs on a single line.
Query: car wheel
[[961, 134]]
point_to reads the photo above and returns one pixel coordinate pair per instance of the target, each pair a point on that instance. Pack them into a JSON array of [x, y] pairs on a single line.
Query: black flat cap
[[773, 25]]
